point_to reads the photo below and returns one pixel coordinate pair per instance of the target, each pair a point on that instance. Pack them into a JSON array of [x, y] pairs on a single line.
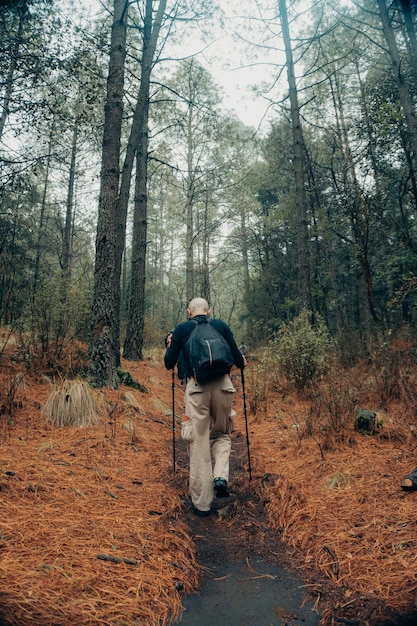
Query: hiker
[[208, 418]]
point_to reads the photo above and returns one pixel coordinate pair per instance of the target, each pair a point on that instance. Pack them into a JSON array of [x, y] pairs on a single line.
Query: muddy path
[[248, 575]]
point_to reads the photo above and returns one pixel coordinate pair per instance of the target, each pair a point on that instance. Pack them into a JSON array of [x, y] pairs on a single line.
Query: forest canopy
[[128, 186]]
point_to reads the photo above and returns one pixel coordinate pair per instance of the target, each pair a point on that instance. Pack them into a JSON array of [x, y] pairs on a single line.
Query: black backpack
[[208, 352]]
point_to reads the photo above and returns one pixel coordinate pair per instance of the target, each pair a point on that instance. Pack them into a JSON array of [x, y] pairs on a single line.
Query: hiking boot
[[200, 513], [220, 487]]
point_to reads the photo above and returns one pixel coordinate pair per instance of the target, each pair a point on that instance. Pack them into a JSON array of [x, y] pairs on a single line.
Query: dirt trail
[[248, 575]]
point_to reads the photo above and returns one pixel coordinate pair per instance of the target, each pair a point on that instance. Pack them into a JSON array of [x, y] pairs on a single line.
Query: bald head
[[198, 306]]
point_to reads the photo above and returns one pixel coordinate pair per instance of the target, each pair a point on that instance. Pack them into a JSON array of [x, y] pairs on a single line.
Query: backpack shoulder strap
[[197, 323]]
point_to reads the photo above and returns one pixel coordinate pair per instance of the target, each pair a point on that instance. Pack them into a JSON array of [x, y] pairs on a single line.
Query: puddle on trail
[[248, 593]]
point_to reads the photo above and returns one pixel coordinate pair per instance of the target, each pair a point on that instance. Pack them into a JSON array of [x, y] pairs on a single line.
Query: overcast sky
[[229, 60], [232, 63], [239, 65]]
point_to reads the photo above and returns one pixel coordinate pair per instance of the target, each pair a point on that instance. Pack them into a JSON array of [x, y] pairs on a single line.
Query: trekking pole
[[246, 423], [173, 417]]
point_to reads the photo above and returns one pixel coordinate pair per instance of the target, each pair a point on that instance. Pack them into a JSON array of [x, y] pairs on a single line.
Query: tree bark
[[5, 106], [357, 204], [299, 174], [247, 329], [133, 347], [103, 347], [41, 228], [67, 240], [205, 265], [189, 239], [410, 30], [403, 89]]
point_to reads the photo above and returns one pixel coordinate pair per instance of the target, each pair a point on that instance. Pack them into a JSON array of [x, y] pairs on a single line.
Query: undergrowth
[[334, 401], [302, 360], [304, 350]]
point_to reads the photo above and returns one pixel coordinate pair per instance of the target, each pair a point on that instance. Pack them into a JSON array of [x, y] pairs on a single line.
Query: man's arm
[[173, 350], [174, 341]]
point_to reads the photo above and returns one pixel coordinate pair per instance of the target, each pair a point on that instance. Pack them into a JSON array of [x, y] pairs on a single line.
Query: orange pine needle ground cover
[[344, 509], [92, 530]]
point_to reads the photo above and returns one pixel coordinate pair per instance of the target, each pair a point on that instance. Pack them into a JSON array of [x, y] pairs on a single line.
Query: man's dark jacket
[[176, 354]]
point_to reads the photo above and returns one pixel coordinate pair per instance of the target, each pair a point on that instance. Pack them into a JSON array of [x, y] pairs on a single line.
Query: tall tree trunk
[[205, 265], [67, 240], [122, 209], [103, 348], [372, 152], [123, 307], [410, 30], [133, 346], [247, 330], [41, 227], [5, 105], [350, 196], [403, 89], [189, 238], [299, 174], [357, 204]]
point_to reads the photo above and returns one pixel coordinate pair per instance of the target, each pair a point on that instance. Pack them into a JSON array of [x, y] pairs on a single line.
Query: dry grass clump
[[72, 404]]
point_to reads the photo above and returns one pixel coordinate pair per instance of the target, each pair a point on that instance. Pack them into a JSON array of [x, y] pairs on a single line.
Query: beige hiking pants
[[209, 407]]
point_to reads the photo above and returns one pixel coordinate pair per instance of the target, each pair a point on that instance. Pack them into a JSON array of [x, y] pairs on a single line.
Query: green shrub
[[303, 350], [261, 378]]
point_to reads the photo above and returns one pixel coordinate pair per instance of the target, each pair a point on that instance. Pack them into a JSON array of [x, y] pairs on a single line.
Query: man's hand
[[168, 339]]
